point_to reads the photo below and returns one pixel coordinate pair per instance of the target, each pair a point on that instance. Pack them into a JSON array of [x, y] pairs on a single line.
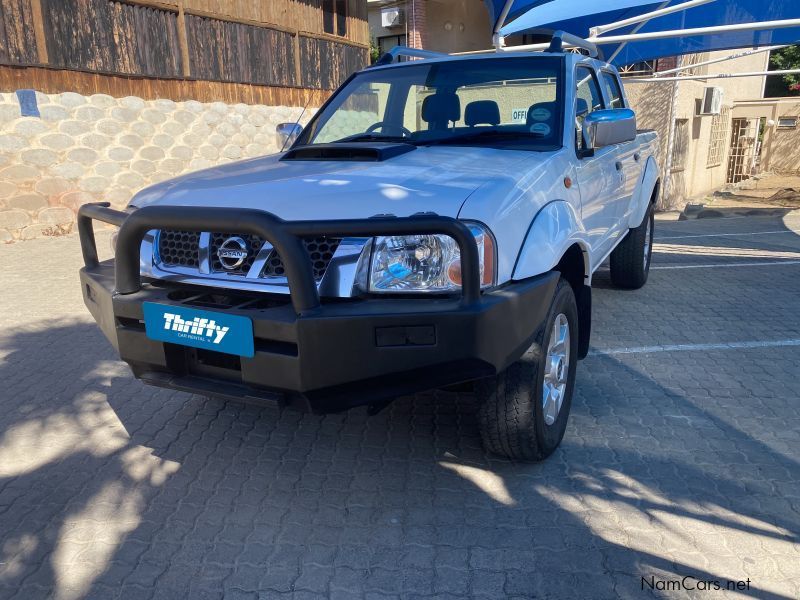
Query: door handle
[[637, 156], [618, 165]]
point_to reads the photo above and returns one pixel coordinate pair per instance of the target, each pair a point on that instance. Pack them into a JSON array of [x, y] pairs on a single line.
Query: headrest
[[581, 107], [541, 112], [482, 112], [440, 108]]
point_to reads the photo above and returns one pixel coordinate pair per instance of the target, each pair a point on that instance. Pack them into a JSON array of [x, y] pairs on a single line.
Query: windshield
[[504, 102]]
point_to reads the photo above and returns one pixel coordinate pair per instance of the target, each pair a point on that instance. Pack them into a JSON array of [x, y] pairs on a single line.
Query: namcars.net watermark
[[690, 583]]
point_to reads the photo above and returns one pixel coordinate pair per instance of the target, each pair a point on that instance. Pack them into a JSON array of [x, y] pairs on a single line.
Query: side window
[[587, 98], [613, 91]]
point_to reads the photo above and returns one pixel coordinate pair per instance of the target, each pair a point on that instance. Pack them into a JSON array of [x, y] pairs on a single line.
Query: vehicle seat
[[482, 112], [581, 107], [440, 109], [549, 106]]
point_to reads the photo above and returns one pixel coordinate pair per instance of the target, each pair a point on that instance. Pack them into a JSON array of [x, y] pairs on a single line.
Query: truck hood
[[428, 179]]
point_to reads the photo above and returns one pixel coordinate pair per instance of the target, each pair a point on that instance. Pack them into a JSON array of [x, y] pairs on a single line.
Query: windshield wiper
[[477, 136], [375, 137]]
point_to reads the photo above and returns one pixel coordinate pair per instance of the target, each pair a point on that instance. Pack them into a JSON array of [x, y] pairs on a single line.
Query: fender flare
[[553, 230], [644, 193]]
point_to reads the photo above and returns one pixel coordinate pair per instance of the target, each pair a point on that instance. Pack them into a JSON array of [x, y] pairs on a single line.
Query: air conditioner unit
[[712, 101], [393, 17]]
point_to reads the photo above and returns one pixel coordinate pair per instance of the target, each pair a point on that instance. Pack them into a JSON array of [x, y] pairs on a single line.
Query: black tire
[[630, 261], [511, 415]]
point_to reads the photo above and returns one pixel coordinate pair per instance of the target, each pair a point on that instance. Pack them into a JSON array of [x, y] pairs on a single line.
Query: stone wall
[[99, 148]]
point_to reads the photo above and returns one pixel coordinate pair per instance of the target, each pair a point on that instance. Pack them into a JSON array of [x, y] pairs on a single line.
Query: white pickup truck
[[438, 221]]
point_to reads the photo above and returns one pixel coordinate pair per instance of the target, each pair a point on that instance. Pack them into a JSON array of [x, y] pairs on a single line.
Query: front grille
[[179, 248], [253, 242], [320, 252], [182, 249]]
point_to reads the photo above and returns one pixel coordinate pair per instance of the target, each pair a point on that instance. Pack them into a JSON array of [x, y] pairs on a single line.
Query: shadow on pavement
[[109, 487]]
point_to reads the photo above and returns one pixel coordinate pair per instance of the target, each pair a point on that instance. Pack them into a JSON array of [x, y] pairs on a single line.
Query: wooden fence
[[163, 40]]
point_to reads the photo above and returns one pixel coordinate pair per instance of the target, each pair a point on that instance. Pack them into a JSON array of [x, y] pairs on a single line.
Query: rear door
[[601, 184], [629, 154]]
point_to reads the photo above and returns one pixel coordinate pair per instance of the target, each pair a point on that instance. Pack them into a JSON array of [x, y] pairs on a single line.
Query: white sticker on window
[[519, 115], [541, 114], [540, 128]]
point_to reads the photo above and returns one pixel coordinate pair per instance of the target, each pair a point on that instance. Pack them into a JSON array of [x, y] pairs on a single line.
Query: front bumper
[[332, 355]]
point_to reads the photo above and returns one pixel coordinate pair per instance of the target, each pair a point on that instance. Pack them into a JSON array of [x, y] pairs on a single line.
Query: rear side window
[[613, 91]]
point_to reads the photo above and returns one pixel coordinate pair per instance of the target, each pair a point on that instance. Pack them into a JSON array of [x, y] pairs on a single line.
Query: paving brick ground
[[677, 462]]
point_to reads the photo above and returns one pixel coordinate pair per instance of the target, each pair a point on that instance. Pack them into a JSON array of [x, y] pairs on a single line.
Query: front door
[[602, 177]]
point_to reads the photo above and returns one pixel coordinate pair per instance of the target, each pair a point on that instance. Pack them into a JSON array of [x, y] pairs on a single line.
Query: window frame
[[329, 10], [719, 138], [387, 37], [681, 147]]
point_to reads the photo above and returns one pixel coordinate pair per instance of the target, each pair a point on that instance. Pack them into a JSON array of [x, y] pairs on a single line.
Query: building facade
[[99, 98], [439, 25], [700, 152]]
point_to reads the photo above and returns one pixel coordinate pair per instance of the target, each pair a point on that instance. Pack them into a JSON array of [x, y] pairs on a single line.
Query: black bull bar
[[285, 236]]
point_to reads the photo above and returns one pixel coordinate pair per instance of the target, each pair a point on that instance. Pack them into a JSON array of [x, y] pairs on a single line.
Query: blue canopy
[[578, 17], [519, 7]]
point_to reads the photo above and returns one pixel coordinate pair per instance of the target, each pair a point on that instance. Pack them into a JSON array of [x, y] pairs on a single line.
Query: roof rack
[[395, 53], [559, 37], [560, 41]]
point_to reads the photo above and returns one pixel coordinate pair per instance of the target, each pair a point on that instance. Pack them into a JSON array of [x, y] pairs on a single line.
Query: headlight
[[426, 263]]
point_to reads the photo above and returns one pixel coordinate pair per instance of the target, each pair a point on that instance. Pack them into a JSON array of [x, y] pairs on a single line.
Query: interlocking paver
[[674, 463]]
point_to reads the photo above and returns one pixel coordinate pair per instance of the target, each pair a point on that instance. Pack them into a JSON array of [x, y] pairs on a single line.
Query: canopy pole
[[704, 77], [499, 41], [673, 33], [634, 30], [659, 12], [719, 60]]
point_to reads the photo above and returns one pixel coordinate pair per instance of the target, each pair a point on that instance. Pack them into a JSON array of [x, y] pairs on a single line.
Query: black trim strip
[[285, 236]]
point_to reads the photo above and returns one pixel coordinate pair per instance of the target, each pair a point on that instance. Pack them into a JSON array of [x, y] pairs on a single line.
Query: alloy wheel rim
[[556, 366], [648, 234]]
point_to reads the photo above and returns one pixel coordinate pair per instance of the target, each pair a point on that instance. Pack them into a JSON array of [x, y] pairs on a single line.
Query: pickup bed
[[438, 221]]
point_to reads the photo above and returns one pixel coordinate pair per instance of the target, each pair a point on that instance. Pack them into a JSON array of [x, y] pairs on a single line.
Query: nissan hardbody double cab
[[437, 221]]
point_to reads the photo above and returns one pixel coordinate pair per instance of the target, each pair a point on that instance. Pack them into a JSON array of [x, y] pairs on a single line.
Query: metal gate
[[745, 155]]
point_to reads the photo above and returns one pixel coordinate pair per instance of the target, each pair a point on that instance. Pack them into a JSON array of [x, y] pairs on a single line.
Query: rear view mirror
[[286, 134], [603, 128]]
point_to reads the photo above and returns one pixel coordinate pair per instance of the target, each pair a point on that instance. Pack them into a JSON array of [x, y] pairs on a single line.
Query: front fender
[[643, 194], [554, 229]]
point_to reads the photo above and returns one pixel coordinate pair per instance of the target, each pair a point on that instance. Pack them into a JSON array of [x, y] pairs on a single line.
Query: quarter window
[[587, 99]]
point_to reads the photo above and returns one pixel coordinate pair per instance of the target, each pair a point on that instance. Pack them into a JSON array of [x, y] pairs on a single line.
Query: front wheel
[[630, 261], [524, 410]]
